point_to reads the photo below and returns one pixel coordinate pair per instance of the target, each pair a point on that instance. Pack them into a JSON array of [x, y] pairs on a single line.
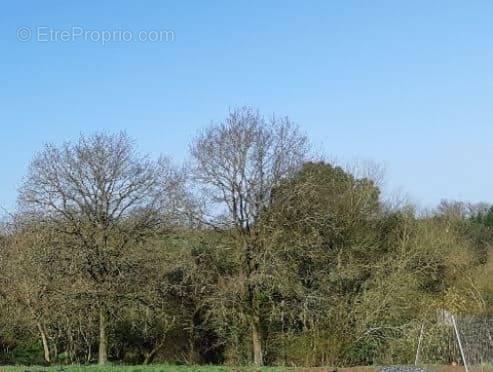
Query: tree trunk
[[55, 351], [44, 340], [103, 337], [71, 345], [255, 322], [258, 359], [149, 357]]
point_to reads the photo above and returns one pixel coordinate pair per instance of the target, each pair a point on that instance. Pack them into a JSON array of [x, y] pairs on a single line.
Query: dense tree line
[[255, 251]]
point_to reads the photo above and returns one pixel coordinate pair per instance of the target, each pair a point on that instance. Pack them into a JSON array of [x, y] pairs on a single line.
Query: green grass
[[150, 368]]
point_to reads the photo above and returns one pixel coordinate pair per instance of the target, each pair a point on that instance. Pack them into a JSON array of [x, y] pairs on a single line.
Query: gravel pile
[[402, 369]]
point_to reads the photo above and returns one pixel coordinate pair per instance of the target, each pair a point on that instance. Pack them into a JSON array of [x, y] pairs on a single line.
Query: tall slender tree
[[239, 163]]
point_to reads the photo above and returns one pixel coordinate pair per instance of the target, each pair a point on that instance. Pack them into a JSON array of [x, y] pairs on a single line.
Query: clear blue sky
[[405, 83]]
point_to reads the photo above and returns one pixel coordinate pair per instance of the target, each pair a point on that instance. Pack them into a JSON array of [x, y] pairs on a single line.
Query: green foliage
[[324, 275]]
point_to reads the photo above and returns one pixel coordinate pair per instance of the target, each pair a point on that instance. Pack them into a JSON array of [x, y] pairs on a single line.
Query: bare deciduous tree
[[239, 163], [31, 278], [101, 192]]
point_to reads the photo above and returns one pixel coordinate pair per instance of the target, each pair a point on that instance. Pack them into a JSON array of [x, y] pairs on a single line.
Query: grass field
[[175, 368], [152, 368]]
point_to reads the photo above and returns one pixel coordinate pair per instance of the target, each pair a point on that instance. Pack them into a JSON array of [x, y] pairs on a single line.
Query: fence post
[[416, 360], [460, 343]]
